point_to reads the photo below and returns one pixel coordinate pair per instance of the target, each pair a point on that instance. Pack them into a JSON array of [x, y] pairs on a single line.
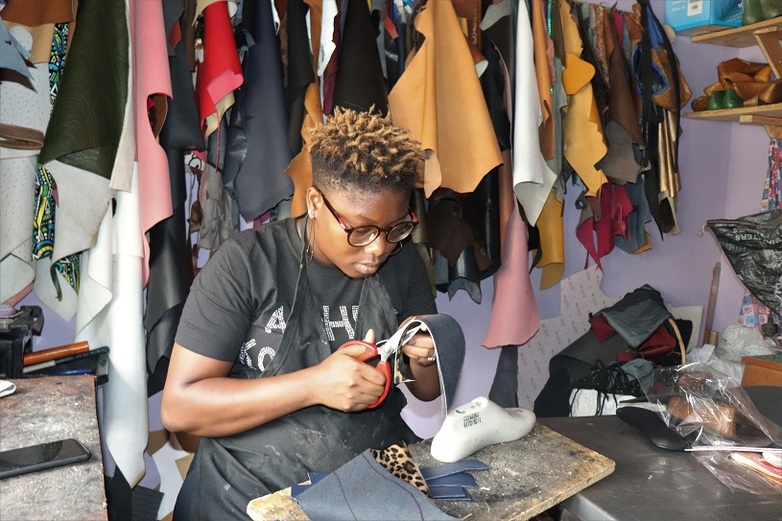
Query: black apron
[[230, 471]]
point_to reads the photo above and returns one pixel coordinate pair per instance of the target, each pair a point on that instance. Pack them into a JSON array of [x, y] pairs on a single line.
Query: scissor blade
[[386, 348]]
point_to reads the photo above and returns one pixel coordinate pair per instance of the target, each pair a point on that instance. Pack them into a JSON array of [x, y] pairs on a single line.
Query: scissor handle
[[370, 352], [385, 368]]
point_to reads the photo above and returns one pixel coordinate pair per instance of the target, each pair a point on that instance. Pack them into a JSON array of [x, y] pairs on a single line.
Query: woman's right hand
[[347, 384]]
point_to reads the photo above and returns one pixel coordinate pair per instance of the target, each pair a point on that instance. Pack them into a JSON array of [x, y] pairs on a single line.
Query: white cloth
[[532, 177], [17, 206], [119, 325], [588, 402]]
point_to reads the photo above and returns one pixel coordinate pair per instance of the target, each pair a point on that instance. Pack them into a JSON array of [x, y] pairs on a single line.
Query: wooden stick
[[44, 355]]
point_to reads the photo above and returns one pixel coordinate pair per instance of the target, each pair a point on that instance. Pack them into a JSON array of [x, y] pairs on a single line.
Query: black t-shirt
[[240, 301]]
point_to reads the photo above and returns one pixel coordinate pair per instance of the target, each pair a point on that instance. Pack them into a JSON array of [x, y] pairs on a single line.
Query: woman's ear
[[314, 200]]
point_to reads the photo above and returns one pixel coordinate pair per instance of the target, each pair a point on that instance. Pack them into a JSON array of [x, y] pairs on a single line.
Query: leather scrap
[[360, 83], [582, 132], [532, 177], [456, 127]]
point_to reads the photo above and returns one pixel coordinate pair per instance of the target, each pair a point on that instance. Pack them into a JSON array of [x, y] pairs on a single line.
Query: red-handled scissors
[[372, 351], [384, 349]]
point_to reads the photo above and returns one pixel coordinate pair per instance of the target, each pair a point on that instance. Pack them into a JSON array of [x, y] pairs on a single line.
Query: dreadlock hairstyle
[[363, 150]]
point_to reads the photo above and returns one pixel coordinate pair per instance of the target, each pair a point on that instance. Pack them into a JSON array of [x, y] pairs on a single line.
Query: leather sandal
[[734, 65], [713, 87], [764, 74], [759, 93], [700, 103]]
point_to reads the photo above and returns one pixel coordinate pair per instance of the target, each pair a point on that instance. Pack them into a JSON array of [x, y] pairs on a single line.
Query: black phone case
[[11, 466]]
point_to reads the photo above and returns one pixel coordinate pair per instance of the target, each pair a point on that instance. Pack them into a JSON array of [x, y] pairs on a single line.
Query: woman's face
[[330, 242]]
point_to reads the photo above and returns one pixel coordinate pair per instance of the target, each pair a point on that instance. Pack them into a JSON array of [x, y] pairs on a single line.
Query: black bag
[[753, 246]]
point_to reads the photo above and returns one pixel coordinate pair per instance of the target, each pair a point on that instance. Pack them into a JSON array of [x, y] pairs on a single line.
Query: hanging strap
[[20, 138]]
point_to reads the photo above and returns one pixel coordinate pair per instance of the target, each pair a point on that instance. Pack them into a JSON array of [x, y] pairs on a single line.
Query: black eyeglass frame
[[349, 230]]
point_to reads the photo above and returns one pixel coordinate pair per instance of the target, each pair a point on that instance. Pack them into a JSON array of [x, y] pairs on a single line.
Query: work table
[[43, 410], [527, 477]]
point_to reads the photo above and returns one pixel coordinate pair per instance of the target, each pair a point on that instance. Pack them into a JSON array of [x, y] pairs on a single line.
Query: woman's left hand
[[420, 348], [424, 383]]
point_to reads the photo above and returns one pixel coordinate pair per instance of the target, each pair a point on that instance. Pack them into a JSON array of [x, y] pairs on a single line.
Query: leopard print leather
[[397, 460]]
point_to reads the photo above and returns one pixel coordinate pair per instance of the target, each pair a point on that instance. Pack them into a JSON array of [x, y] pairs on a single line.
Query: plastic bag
[[718, 418], [753, 246]]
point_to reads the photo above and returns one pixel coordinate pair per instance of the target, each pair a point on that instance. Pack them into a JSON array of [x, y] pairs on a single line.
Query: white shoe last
[[476, 425]]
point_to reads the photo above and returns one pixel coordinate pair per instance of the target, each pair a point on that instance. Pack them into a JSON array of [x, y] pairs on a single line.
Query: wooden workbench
[[47, 409], [527, 477]]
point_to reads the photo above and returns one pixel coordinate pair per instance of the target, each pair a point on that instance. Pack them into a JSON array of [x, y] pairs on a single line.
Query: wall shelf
[[770, 116], [735, 115], [738, 37], [767, 36]]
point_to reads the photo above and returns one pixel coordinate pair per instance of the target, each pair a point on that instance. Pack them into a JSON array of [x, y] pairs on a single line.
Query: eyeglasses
[[364, 235]]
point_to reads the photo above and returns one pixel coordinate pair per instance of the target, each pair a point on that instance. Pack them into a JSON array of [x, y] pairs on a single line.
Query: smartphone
[[43, 456]]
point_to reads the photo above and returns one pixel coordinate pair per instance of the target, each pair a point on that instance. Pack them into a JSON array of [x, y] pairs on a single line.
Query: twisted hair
[[365, 151]]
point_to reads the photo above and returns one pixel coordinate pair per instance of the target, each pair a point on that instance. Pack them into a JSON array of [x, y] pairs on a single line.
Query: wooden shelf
[[735, 115], [766, 35], [738, 37]]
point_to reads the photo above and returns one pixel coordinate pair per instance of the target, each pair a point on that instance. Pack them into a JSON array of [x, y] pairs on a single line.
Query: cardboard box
[[690, 17]]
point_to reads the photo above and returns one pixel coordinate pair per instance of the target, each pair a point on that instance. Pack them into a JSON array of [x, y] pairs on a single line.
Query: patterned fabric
[[43, 222], [45, 186], [57, 58], [753, 313]]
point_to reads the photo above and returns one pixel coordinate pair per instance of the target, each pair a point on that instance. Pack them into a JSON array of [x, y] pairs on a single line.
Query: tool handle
[[384, 368], [44, 355], [370, 350]]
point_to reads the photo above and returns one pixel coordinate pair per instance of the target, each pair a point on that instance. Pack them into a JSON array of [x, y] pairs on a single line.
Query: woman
[[256, 369]]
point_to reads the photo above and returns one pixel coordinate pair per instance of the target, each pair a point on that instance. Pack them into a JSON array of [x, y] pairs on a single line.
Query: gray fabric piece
[[12, 53], [766, 399], [588, 350], [641, 370], [637, 315], [636, 221], [17, 207], [449, 493], [459, 479], [449, 347], [363, 489], [447, 469], [619, 164]]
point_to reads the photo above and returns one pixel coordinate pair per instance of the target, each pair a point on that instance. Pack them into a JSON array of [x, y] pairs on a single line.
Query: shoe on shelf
[[700, 103], [753, 13], [733, 100], [770, 8], [717, 100], [738, 65], [759, 93]]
